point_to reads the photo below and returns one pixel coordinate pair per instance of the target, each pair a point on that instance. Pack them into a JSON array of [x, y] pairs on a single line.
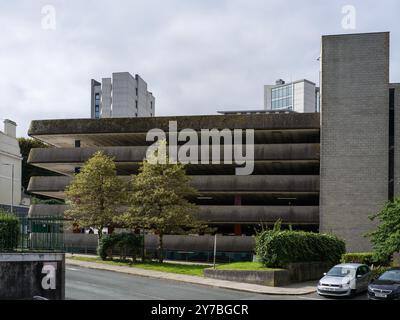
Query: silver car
[[345, 280]]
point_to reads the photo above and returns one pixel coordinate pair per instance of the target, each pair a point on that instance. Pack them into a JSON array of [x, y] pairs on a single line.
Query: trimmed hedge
[[362, 257], [276, 248], [122, 244], [9, 231], [377, 267], [358, 257]]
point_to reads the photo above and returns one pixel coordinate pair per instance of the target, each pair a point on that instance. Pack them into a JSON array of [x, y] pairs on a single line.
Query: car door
[[362, 278], [368, 276], [359, 279]]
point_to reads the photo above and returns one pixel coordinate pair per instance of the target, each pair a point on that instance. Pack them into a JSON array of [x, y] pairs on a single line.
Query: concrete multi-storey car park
[[284, 183], [325, 172]]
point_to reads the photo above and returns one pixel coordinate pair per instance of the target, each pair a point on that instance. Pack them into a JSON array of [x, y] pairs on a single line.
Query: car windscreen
[[340, 272], [391, 275]]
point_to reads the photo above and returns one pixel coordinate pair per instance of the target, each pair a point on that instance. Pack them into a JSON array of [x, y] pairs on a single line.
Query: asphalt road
[[90, 284]]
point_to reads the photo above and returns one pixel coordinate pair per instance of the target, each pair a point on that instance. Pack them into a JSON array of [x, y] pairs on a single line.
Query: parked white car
[[345, 280]]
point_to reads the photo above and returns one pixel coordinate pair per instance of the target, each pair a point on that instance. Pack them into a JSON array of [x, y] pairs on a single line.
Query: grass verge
[[257, 266], [188, 269]]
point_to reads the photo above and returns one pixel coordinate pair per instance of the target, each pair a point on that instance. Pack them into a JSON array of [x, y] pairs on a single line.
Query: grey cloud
[[197, 56]]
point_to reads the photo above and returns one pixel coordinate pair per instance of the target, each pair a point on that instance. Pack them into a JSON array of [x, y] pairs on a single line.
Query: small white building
[[10, 165]]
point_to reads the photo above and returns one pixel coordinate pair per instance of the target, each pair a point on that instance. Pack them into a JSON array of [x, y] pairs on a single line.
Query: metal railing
[[39, 234]]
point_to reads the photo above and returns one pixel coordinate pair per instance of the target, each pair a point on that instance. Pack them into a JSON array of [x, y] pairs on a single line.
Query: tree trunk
[[143, 249], [99, 235], [160, 248]]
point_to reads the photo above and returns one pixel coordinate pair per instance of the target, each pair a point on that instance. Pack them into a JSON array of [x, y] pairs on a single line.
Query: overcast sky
[[196, 56]]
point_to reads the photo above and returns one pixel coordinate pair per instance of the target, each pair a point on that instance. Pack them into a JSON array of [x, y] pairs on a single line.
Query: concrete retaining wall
[[25, 275], [294, 272], [307, 271], [273, 278]]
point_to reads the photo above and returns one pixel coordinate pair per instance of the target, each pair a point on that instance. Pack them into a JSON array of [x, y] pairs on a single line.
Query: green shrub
[[358, 257], [122, 244], [47, 201], [367, 258], [276, 248], [9, 231], [377, 271]]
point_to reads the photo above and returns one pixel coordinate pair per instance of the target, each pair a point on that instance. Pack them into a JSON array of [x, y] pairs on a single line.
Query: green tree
[[386, 237], [158, 201], [9, 231], [96, 193]]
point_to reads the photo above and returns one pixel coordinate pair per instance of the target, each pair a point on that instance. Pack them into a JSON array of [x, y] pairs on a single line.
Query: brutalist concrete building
[[321, 172], [284, 183]]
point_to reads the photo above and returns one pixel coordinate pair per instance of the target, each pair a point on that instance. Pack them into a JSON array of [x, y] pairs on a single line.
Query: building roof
[[125, 131], [255, 111]]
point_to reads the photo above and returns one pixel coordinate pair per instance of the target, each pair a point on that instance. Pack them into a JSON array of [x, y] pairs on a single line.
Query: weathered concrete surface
[[293, 273], [202, 243], [259, 183], [47, 210], [271, 128], [182, 243], [128, 125], [226, 214], [22, 275], [301, 151], [271, 278], [306, 271], [255, 214]]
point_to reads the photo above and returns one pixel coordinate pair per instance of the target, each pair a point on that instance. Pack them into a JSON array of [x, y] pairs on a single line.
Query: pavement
[[295, 289], [92, 284]]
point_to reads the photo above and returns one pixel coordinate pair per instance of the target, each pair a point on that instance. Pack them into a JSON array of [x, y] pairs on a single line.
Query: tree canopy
[[96, 193], [159, 200], [386, 237]]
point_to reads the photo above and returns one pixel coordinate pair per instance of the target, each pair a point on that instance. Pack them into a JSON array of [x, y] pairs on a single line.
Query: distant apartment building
[[122, 96], [10, 166], [298, 96]]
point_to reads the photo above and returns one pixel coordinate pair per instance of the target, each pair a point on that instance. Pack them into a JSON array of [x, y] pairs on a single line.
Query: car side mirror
[[324, 273]]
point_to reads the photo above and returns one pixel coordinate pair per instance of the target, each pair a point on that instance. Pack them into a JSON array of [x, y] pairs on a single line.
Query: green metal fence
[[44, 234]]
